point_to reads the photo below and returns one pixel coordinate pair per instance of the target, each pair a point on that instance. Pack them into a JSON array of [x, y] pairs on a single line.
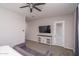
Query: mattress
[[8, 51]]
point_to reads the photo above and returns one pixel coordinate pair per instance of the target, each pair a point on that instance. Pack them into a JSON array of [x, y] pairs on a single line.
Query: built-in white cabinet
[[44, 39]]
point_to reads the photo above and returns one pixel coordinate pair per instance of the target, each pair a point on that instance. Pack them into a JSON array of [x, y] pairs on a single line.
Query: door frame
[[63, 24]]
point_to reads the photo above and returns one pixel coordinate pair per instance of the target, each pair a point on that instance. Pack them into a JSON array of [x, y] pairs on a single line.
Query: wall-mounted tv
[[44, 29]]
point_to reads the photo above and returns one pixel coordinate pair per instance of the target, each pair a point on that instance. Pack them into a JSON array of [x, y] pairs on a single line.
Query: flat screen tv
[[44, 29]]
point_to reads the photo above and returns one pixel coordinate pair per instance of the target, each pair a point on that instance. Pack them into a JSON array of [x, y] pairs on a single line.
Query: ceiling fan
[[33, 5]]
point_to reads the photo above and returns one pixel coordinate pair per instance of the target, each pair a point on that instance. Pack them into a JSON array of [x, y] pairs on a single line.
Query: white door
[[59, 33]]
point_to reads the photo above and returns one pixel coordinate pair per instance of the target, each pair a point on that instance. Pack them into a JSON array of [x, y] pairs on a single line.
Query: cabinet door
[[42, 39], [48, 40], [39, 39]]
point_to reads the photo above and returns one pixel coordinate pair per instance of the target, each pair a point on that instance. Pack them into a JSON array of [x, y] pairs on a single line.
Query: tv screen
[[44, 29]]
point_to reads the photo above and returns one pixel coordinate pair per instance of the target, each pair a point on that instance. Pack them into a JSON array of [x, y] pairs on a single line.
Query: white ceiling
[[48, 10]]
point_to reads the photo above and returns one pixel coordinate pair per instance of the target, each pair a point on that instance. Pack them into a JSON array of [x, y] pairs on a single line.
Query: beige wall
[[11, 26], [33, 31]]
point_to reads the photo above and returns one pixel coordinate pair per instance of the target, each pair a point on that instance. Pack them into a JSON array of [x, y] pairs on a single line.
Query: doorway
[[59, 33]]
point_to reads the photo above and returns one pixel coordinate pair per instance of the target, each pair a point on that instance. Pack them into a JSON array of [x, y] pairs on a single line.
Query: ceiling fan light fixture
[[33, 5]]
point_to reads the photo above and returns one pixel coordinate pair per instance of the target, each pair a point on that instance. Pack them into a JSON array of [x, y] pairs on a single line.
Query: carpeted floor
[[43, 49]]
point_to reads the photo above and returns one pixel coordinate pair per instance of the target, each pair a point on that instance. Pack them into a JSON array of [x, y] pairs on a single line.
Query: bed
[[8, 51]]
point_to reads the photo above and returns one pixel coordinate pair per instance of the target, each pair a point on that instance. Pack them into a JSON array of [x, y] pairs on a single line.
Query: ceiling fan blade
[[31, 10], [39, 3], [37, 8], [24, 6]]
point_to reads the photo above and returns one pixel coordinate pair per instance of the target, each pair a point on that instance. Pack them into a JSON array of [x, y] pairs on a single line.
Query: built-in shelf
[[45, 35]]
